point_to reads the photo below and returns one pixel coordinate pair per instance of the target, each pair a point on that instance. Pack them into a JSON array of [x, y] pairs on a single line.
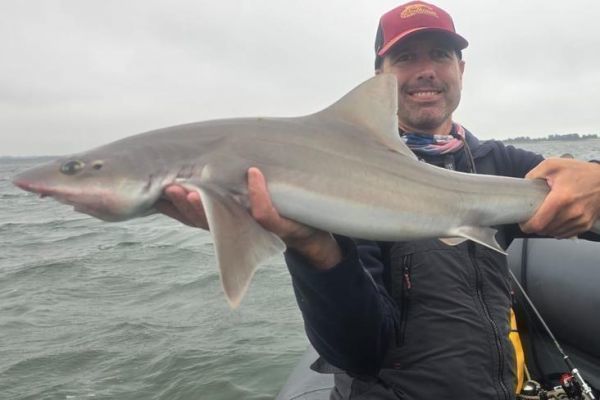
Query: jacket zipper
[[490, 320], [406, 287]]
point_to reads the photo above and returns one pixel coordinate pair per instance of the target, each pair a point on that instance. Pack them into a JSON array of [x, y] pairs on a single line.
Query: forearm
[[349, 319], [319, 249]]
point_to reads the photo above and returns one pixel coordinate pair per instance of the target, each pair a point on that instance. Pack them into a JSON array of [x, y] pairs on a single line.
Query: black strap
[[524, 253]]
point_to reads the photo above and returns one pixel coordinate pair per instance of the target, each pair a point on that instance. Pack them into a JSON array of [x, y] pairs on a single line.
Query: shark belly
[[353, 218]]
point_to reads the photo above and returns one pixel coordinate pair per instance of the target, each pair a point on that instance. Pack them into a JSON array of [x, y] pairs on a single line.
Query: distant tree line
[[565, 137]]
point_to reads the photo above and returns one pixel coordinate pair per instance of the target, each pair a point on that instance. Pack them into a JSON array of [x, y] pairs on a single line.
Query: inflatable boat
[[562, 278]]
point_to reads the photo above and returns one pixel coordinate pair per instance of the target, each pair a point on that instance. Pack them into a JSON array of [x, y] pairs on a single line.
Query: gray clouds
[[76, 74]]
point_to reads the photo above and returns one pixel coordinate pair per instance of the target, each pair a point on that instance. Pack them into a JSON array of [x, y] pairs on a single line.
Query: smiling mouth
[[425, 93]]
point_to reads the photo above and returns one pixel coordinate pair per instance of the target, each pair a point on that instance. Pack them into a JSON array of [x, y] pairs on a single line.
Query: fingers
[[544, 215], [568, 221], [319, 247], [167, 208], [262, 209], [260, 201], [542, 170], [573, 203], [186, 206]]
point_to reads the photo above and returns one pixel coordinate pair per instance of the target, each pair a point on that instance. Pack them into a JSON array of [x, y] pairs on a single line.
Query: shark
[[343, 169]]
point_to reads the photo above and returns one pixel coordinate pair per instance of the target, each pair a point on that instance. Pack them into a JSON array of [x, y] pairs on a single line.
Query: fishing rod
[[579, 388]]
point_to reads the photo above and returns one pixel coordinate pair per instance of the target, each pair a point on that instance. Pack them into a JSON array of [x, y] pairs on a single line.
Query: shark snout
[[32, 187], [23, 184]]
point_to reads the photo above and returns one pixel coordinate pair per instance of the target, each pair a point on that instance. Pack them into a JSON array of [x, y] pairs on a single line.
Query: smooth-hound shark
[[343, 170]]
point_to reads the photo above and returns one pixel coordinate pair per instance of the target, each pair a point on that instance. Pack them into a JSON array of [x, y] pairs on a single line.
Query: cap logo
[[416, 9]]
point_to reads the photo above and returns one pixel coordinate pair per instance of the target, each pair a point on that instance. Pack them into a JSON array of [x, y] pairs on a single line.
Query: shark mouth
[[40, 189], [97, 202], [63, 195]]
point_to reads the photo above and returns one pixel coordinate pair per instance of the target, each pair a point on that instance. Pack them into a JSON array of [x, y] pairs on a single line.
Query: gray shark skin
[[343, 170]]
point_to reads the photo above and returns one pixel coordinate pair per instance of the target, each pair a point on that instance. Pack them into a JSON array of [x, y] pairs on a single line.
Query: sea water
[[134, 310]]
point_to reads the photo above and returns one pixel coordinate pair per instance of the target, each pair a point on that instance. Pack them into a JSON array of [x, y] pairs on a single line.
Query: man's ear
[[461, 67]]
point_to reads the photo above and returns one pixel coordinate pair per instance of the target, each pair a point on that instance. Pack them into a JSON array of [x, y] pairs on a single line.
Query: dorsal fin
[[374, 105]]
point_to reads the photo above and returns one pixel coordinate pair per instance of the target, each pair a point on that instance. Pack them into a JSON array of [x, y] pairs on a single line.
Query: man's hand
[[184, 206], [319, 247], [573, 204]]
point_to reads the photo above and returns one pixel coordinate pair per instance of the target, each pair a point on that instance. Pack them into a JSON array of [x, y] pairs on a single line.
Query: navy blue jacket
[[397, 316]]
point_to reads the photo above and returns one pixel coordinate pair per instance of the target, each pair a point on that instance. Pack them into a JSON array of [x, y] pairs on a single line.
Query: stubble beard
[[426, 119]]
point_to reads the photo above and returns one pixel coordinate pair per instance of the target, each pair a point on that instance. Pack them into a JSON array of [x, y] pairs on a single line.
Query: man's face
[[429, 76]]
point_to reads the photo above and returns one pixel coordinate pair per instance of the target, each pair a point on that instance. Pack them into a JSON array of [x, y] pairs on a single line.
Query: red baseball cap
[[410, 18]]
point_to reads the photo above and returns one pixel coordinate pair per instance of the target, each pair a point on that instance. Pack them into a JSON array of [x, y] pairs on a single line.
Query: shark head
[[103, 187]]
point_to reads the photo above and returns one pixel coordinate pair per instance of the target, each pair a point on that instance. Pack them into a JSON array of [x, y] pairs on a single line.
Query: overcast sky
[[76, 74]]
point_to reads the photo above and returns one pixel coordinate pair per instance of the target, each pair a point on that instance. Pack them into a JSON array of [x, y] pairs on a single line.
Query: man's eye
[[441, 54], [402, 58]]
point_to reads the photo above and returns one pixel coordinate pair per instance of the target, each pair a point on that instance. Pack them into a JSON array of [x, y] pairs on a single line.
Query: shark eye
[[97, 165], [72, 167]]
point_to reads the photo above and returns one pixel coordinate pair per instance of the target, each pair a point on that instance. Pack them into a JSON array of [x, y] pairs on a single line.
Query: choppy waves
[[134, 310], [130, 310]]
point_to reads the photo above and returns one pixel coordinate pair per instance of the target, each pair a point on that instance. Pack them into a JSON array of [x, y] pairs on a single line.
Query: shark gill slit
[[149, 183]]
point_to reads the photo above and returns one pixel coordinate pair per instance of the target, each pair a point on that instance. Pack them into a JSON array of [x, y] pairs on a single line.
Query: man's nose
[[425, 69], [426, 72]]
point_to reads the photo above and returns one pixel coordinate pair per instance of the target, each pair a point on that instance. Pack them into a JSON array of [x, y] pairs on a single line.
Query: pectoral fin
[[241, 243], [478, 234]]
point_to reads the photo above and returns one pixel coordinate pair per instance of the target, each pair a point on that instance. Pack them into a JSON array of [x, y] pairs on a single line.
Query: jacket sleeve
[[516, 162], [349, 317]]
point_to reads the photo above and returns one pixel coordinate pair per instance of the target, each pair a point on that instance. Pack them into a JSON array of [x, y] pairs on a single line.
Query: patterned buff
[[436, 144]]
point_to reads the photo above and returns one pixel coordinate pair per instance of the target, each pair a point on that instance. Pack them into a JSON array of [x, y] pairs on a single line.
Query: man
[[418, 320]]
